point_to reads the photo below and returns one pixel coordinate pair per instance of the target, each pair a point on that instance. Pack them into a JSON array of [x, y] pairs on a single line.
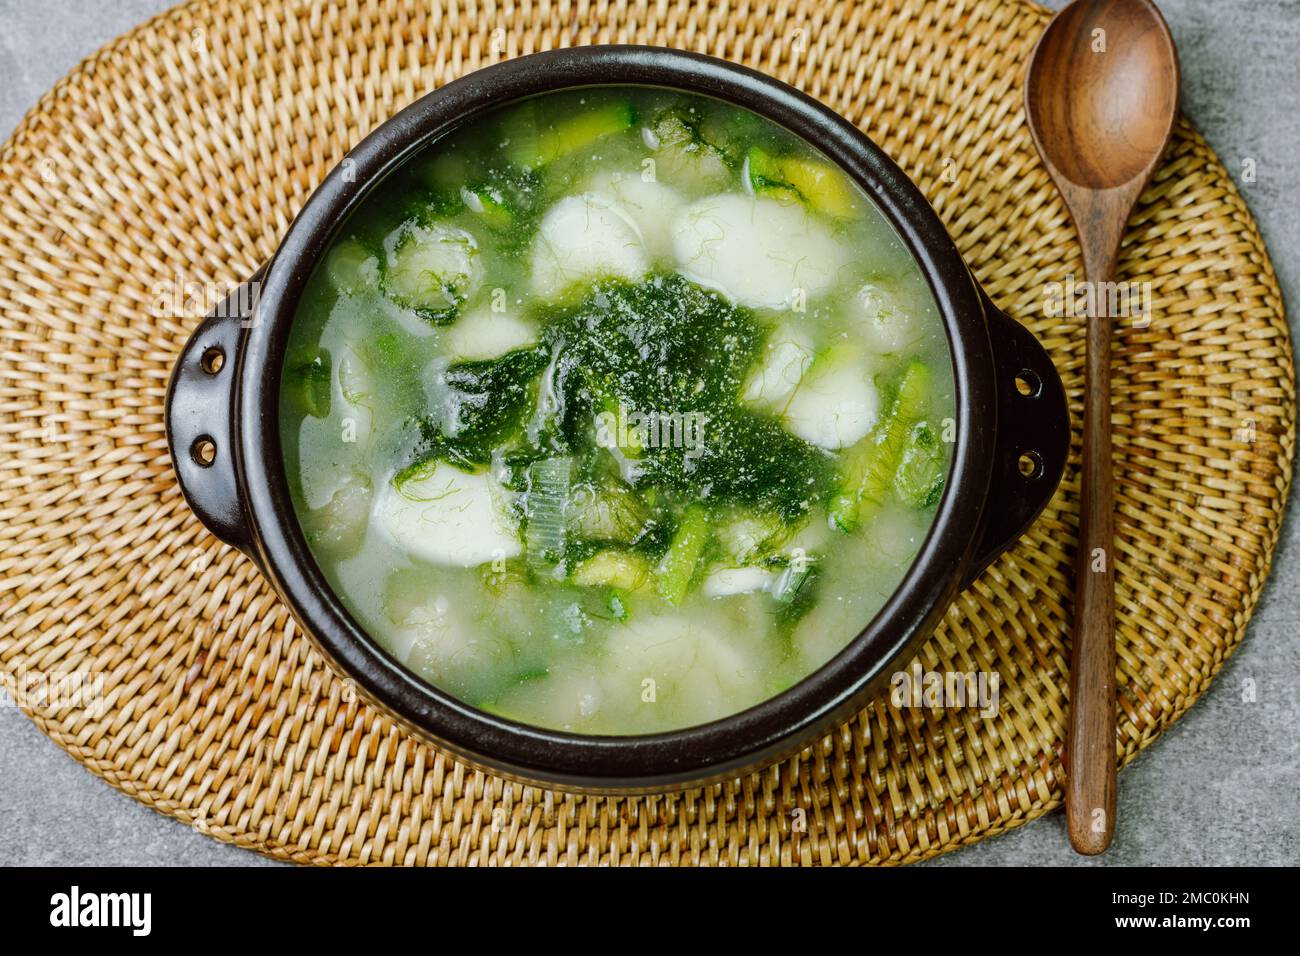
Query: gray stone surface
[[1223, 787]]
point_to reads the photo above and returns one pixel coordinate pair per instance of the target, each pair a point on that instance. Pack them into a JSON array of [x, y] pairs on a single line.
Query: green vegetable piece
[[674, 129], [731, 130], [313, 386], [389, 350], [868, 468], [655, 536], [544, 511], [605, 604], [625, 570], [665, 344], [492, 706], [825, 188], [765, 175], [605, 401], [529, 674], [532, 142], [675, 571], [526, 674], [673, 355], [446, 172], [821, 187], [500, 196], [922, 470]]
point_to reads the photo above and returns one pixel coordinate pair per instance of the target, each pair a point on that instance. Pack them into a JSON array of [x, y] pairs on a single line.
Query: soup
[[616, 411]]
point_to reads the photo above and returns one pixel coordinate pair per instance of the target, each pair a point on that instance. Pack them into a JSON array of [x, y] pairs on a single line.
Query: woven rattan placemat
[[181, 152]]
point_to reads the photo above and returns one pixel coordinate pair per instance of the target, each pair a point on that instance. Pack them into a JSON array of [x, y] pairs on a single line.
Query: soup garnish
[[616, 411]]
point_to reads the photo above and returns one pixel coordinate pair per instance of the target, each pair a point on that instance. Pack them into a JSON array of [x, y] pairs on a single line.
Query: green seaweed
[[746, 458], [485, 404], [664, 344]]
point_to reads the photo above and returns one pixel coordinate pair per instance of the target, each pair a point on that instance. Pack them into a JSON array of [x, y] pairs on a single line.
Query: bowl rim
[[775, 727]]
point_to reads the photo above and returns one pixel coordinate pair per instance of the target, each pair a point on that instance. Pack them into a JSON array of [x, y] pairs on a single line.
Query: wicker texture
[[185, 148]]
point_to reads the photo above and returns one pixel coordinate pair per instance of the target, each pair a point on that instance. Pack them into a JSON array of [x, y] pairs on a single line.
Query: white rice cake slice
[[583, 238], [699, 671], [880, 319], [787, 357], [650, 204], [484, 334], [836, 404], [449, 517], [725, 582], [756, 251], [432, 267], [441, 646]]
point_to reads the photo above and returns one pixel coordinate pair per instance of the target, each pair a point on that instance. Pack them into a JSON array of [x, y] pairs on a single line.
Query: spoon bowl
[[1104, 92]]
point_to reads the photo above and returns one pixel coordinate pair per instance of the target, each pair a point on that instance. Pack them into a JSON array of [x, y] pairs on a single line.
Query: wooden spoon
[[1101, 93]]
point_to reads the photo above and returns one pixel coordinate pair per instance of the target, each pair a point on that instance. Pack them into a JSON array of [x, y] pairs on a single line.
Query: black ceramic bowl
[[1011, 444]]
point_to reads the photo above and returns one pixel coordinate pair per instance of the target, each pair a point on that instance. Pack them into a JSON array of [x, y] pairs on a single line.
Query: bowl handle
[[1033, 437], [200, 416]]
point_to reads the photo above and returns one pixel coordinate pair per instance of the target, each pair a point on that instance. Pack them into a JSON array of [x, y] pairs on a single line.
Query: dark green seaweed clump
[[484, 404], [665, 344], [745, 458], [665, 348]]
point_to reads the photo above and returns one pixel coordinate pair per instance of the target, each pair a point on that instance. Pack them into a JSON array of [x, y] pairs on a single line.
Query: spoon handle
[[1090, 777]]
